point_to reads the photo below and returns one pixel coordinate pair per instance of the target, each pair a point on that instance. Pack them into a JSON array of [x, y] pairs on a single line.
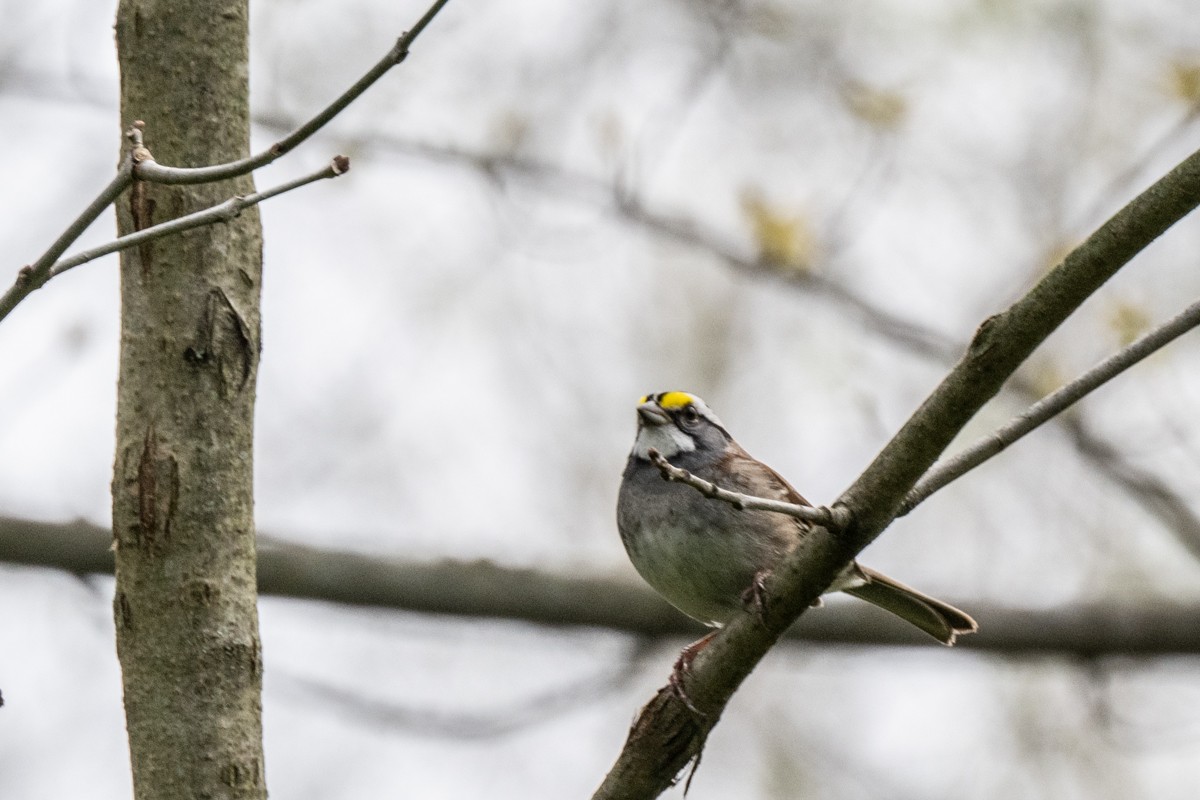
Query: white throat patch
[[666, 439]]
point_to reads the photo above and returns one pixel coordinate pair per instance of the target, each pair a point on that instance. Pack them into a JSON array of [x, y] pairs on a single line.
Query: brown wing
[[751, 476]]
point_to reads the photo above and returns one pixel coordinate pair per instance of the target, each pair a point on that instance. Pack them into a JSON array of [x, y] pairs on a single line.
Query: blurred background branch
[[1150, 492], [483, 589]]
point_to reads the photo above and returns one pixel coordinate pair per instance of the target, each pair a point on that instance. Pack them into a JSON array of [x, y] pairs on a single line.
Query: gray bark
[[185, 604]]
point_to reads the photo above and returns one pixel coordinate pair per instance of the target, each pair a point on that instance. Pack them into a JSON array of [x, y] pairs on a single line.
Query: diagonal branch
[[222, 212], [150, 170], [1050, 406], [667, 734], [32, 277], [140, 165]]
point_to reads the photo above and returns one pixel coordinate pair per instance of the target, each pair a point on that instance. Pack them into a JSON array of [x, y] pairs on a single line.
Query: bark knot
[[224, 341]]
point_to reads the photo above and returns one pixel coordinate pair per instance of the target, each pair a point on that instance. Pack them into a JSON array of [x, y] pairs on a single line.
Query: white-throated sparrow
[[702, 555]]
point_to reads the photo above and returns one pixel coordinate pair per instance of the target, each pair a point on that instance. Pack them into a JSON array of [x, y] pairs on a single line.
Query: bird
[[706, 557]]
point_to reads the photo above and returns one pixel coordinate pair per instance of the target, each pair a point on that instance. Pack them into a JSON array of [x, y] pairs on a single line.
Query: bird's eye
[[689, 415]]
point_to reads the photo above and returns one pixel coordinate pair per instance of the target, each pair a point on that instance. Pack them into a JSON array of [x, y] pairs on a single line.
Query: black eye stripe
[[688, 413]]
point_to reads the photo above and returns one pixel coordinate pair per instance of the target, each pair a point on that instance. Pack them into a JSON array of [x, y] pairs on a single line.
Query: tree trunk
[[183, 503]]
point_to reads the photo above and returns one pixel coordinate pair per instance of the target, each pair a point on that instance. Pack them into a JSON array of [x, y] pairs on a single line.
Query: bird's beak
[[649, 413]]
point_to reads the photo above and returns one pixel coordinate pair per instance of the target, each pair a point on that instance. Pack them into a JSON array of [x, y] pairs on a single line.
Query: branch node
[[982, 340], [400, 51], [138, 151], [840, 517]]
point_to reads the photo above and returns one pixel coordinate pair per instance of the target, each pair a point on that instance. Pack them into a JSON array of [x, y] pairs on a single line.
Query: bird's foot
[[755, 596], [682, 665]]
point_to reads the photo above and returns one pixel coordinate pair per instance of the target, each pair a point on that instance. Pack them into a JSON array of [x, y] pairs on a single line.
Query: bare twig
[[222, 212], [1050, 406], [139, 164], [150, 170], [34, 276], [819, 515]]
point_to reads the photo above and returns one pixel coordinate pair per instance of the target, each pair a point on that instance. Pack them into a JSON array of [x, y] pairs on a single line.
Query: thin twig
[[140, 164], [834, 519], [150, 170], [32, 277], [222, 212], [1050, 406]]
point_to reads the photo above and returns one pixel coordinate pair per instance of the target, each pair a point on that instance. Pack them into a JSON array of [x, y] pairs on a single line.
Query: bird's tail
[[940, 620]]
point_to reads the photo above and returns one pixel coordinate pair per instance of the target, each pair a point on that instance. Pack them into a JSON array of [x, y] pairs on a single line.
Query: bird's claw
[[682, 665], [755, 596]]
